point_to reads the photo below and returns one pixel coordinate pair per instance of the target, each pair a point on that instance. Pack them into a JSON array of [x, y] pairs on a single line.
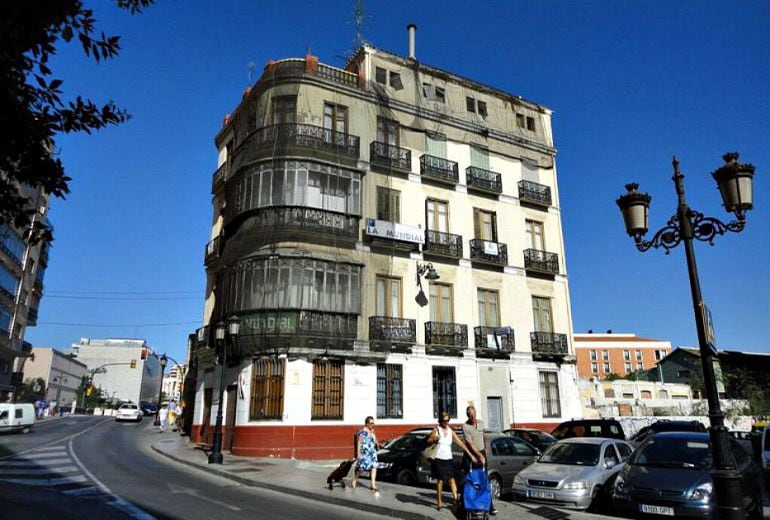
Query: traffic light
[[144, 353], [133, 363], [89, 390]]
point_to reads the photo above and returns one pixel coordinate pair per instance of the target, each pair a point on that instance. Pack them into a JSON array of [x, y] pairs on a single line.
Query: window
[[595, 368], [8, 282], [660, 354], [328, 389], [433, 93], [593, 355], [387, 131], [395, 80], [470, 104], [485, 224], [609, 392], [535, 234], [531, 124], [662, 394], [388, 296], [441, 303], [541, 308], [683, 373], [479, 157], [284, 108], [549, 394], [444, 391], [638, 355], [626, 355], [489, 314], [435, 144], [640, 366], [11, 243], [606, 368], [388, 204], [5, 319], [605, 355], [482, 106], [475, 106], [627, 367], [437, 215], [381, 75], [335, 122], [628, 395], [624, 450], [646, 394], [389, 391], [267, 389], [522, 448], [610, 456]]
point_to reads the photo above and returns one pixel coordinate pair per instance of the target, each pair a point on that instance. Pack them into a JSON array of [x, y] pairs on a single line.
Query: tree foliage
[[31, 390], [32, 108]]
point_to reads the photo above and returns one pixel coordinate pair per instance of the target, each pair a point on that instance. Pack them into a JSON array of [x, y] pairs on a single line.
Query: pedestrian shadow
[[422, 499]]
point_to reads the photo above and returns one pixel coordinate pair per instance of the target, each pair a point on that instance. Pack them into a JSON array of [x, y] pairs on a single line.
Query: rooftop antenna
[[359, 19], [252, 66]]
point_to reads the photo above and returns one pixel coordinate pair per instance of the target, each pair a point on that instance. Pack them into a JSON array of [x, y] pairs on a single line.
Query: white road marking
[[179, 490], [52, 448], [39, 471], [69, 437], [47, 455], [77, 479], [35, 464]]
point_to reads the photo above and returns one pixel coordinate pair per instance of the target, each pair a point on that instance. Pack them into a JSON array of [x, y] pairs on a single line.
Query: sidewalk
[[307, 479]]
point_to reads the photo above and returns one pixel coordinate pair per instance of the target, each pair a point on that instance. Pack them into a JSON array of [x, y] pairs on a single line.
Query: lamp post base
[[215, 457]]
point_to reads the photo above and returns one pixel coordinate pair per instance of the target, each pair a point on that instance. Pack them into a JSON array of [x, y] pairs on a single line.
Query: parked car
[[668, 475], [607, 428], [148, 408], [667, 426], [17, 417], [397, 460], [128, 412], [576, 473], [506, 456], [536, 438]]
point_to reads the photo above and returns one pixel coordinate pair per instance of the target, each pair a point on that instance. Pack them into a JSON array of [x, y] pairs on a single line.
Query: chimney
[[411, 28]]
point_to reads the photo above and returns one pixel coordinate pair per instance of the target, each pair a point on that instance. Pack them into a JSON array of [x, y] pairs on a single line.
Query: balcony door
[[388, 297], [479, 157], [535, 235], [387, 131], [335, 122], [435, 145], [485, 224], [489, 309], [437, 215], [284, 109], [441, 303], [541, 308]]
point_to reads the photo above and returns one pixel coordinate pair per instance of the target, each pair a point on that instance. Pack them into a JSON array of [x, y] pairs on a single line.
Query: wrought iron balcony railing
[[483, 180], [489, 252], [394, 330], [219, 178], [300, 137], [534, 193], [549, 344], [494, 338], [439, 169], [31, 316], [390, 156], [541, 261], [26, 348], [296, 222], [213, 249], [451, 334], [443, 244], [202, 337]]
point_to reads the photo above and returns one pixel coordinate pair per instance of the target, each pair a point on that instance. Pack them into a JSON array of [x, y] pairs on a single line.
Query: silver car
[[574, 473]]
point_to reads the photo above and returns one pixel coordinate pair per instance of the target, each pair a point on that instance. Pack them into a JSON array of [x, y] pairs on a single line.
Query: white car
[[129, 412]]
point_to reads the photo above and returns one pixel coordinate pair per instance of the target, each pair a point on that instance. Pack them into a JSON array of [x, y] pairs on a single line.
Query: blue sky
[[631, 83]]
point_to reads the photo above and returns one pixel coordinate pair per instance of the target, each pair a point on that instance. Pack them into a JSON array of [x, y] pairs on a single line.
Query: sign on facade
[[394, 231]]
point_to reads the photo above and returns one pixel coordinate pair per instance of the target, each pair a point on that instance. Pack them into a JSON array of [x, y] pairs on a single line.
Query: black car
[[148, 408], [397, 460], [669, 475], [536, 438], [667, 426], [607, 428]]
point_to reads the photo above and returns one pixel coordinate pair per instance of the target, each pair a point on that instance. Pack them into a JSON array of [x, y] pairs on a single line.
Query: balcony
[[548, 345], [220, 176], [336, 75], [445, 338], [305, 140], [31, 317], [488, 252], [390, 156], [281, 223], [483, 180], [541, 262], [213, 249], [298, 68], [26, 348], [443, 244], [202, 337], [534, 193], [438, 169], [493, 341], [385, 329]]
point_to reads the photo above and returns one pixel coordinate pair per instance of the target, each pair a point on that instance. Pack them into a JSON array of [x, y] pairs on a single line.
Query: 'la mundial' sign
[[394, 231]]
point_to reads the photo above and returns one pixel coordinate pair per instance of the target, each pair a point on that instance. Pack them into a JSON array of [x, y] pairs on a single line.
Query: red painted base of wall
[[312, 442]]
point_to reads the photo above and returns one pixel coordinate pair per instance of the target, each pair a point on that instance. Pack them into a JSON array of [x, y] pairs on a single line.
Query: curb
[[320, 497]]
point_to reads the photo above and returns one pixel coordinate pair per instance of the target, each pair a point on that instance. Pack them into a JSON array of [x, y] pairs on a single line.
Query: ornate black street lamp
[[429, 273], [224, 337], [163, 361], [734, 181]]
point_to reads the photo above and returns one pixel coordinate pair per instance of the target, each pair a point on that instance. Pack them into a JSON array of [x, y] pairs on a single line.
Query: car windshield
[[575, 454], [674, 452], [129, 407], [408, 443]]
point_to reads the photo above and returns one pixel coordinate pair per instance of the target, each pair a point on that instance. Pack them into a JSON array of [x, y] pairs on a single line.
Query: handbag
[[431, 451]]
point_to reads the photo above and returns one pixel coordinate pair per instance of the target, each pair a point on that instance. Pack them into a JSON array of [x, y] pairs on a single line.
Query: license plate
[[536, 493], [656, 510]]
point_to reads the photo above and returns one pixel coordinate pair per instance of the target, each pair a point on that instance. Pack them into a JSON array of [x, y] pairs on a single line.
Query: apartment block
[[599, 355]]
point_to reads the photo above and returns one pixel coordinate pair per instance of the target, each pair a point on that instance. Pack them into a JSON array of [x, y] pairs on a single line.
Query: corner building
[[333, 186]]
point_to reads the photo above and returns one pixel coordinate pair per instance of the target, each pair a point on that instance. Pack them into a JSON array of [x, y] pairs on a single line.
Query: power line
[[64, 324], [124, 293], [122, 298]]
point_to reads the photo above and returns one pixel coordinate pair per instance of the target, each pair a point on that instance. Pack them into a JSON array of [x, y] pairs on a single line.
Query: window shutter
[[494, 227], [476, 223]]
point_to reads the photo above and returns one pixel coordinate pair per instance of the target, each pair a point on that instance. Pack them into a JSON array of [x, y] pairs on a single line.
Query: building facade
[[62, 373], [22, 269], [337, 191], [173, 382], [110, 361], [600, 355]]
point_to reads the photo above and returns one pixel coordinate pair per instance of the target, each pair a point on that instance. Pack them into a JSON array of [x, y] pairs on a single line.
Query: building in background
[[173, 382], [22, 269], [63, 374], [334, 187], [599, 355], [112, 360]]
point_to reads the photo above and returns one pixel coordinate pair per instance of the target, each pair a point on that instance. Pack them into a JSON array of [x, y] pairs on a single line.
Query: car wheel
[[495, 486], [26, 430], [596, 500], [406, 478]]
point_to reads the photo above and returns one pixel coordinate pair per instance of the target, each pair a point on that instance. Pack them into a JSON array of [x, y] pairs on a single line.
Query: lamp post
[[734, 181], [223, 336], [429, 273], [163, 360]]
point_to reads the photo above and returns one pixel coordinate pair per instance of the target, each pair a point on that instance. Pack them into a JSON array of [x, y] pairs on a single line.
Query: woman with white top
[[443, 467]]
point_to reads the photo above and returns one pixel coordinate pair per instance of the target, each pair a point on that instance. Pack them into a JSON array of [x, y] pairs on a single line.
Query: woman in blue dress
[[367, 453]]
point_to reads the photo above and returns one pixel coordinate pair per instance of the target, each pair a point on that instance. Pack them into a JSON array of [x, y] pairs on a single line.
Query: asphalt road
[[91, 467]]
